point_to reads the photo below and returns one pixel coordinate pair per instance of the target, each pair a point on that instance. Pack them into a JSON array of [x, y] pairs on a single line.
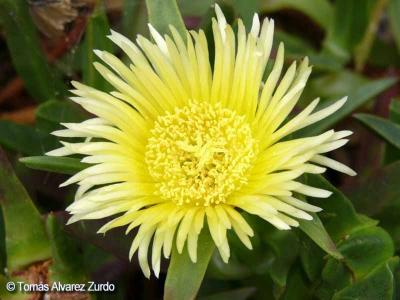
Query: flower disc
[[200, 154]]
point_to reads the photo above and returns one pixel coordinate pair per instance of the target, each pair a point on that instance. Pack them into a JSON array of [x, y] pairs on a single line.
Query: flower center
[[200, 154]]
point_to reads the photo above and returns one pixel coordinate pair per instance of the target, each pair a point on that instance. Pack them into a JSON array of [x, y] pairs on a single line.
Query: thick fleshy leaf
[[25, 139], [246, 9], [365, 249], [50, 114], [390, 131], [383, 184], [392, 153], [321, 11], [338, 215], [383, 54], [296, 47], [361, 257], [67, 263], [335, 276], [189, 8], [26, 236], [297, 287], [356, 99], [349, 23], [317, 232], [285, 245], [163, 13], [39, 78], [363, 245], [96, 33], [333, 85], [63, 165], [379, 284], [133, 17], [393, 13], [311, 257], [235, 270], [184, 277]]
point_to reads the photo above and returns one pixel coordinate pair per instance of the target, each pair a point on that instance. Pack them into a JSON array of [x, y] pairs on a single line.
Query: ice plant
[[180, 142]]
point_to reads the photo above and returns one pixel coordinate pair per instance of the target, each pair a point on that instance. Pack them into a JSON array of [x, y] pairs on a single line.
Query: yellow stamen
[[200, 154]]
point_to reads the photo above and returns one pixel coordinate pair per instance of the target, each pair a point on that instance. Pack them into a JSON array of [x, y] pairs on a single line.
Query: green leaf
[[383, 54], [236, 294], [50, 114], [333, 85], [365, 249], [388, 130], [22, 40], [67, 261], [297, 287], [195, 8], [235, 270], [312, 257], [285, 245], [246, 10], [163, 13], [383, 184], [316, 231], [348, 26], [131, 15], [184, 277], [96, 33], [335, 276], [63, 165], [379, 284], [297, 48], [25, 139], [26, 236], [321, 11], [338, 214], [393, 13], [391, 152], [355, 100], [294, 45], [394, 265]]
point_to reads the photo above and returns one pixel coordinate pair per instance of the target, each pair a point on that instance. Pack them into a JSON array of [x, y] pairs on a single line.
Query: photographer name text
[[59, 287]]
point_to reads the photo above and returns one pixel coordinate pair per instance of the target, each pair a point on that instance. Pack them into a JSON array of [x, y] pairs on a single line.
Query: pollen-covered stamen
[[200, 154]]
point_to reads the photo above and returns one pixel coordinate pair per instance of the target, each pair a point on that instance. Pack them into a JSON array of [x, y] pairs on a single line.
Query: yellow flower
[[180, 141]]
